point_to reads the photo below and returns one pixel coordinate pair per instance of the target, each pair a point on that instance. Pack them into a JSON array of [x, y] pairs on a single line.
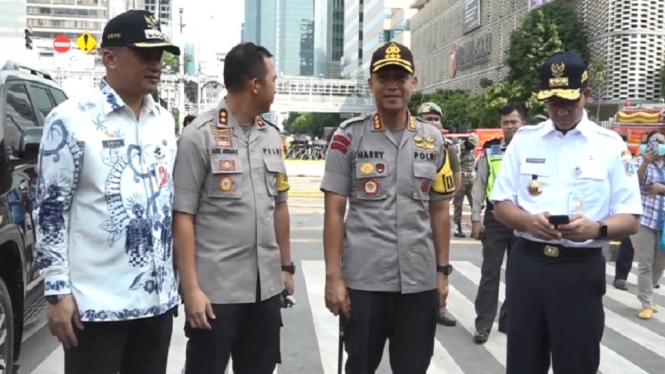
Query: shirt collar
[[584, 127], [112, 100]]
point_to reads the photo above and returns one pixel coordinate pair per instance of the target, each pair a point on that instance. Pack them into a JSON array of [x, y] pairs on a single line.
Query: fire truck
[[635, 122]]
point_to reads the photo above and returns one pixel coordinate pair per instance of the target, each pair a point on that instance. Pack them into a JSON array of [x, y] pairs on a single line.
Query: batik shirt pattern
[[104, 202]]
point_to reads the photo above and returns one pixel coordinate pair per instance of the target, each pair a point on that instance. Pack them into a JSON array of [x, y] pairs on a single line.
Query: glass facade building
[[295, 37], [50, 18], [328, 37], [260, 23]]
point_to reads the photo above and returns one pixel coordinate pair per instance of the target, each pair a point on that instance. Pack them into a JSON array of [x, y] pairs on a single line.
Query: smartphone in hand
[[563, 219]]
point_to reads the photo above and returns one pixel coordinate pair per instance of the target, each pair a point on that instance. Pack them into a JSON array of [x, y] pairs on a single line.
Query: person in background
[[650, 257], [625, 256], [496, 238], [104, 235], [432, 114], [467, 159], [188, 120]]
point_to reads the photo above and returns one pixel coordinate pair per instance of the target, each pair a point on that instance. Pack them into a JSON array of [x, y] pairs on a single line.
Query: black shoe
[[503, 329], [620, 284], [459, 233], [445, 318], [656, 286], [481, 336]]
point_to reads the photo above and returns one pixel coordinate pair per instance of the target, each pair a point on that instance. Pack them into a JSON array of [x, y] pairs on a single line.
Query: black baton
[[340, 350]]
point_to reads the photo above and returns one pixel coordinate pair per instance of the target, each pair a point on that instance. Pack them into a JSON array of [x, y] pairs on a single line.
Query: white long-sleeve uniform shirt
[[103, 214], [590, 165]]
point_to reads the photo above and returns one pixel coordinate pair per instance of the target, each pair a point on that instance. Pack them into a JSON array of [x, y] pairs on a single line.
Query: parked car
[[27, 96]]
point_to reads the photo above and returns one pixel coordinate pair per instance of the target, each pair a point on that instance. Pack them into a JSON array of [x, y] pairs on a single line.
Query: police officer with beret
[[232, 224], [567, 187], [497, 239], [431, 113], [387, 266]]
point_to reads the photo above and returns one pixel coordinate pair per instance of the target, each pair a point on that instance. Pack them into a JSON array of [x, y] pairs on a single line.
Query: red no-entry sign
[[62, 44]]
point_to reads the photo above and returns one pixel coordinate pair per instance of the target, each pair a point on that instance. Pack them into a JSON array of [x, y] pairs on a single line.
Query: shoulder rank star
[[223, 120]]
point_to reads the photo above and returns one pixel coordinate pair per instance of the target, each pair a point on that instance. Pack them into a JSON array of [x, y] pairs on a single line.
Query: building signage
[[470, 15], [474, 52]]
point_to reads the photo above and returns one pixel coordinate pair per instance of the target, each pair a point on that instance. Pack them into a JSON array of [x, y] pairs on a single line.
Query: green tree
[[551, 28], [311, 123], [454, 105], [484, 108], [172, 62]]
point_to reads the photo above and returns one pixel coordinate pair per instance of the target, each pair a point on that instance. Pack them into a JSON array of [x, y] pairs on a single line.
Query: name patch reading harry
[[364, 155]]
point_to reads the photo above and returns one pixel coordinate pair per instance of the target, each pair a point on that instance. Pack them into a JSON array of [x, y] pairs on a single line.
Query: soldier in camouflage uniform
[[431, 113], [467, 159]]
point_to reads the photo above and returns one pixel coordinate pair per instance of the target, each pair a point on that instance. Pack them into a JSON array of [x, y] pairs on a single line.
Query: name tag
[[535, 160], [114, 143]]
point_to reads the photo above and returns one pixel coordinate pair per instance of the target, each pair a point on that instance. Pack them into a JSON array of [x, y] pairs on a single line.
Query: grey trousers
[[498, 240], [650, 262]]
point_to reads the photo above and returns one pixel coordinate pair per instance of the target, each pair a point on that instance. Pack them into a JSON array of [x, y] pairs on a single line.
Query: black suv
[[27, 96]]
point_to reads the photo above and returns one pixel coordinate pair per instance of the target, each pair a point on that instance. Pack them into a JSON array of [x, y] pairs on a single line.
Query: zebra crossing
[[310, 333]]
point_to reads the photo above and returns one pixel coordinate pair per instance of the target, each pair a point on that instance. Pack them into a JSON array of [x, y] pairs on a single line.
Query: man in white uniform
[[567, 187]]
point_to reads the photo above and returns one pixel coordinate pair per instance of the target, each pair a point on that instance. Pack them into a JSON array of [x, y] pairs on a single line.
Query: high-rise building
[[457, 44], [286, 29], [368, 24], [328, 37], [12, 19], [50, 18]]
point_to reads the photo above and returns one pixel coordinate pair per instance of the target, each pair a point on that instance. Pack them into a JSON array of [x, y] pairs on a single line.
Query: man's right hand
[[198, 309], [62, 317], [477, 228], [541, 228], [337, 297]]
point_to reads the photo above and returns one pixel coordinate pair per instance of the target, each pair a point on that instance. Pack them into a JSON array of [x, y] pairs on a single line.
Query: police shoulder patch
[[269, 123]]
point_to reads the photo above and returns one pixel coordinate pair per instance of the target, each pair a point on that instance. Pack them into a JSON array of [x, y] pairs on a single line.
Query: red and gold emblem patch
[[227, 165], [226, 184], [424, 187], [370, 187], [223, 141]]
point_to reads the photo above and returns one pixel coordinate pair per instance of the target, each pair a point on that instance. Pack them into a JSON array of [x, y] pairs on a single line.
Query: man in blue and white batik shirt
[[104, 210]]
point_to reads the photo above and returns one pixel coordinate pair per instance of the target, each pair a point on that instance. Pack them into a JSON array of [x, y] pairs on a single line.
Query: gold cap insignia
[[223, 117], [393, 52], [585, 76], [426, 108], [151, 21], [558, 69]]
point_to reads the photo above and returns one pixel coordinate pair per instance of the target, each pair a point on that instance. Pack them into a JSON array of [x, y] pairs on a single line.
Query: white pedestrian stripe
[[621, 308]]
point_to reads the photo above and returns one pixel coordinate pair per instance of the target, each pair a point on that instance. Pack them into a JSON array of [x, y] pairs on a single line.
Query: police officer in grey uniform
[[497, 239], [431, 113], [567, 187], [232, 224], [387, 265]]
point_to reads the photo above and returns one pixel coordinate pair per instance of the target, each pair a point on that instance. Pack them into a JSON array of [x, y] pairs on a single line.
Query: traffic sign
[[86, 42], [61, 44]]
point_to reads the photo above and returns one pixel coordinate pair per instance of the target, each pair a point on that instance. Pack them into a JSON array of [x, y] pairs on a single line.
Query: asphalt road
[[309, 337]]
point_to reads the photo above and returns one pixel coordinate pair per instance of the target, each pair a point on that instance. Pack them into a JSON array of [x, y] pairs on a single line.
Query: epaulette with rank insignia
[[260, 121], [353, 120]]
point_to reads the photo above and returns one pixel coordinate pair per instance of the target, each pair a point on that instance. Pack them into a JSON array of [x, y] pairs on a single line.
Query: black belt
[[538, 249]]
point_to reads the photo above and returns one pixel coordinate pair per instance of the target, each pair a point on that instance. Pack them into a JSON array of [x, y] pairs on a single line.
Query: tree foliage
[[172, 62], [311, 123], [548, 29]]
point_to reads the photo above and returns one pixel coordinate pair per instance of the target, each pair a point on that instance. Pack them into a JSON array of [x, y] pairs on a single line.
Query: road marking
[[632, 278], [452, 241], [326, 326]]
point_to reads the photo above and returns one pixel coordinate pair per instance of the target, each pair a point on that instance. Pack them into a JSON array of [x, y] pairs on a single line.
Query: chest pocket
[[274, 167], [226, 177], [371, 181], [424, 175], [593, 179]]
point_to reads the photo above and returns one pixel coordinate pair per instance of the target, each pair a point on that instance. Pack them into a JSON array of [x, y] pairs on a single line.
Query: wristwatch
[[444, 269], [602, 230], [54, 299], [289, 268]]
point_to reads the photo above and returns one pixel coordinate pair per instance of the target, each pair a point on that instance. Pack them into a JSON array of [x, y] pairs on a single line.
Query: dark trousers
[[556, 306], [498, 240], [248, 333], [408, 321], [624, 261], [138, 346]]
